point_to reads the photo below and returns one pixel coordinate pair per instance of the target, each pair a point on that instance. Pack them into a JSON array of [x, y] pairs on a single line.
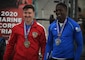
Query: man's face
[[61, 12], [28, 15]]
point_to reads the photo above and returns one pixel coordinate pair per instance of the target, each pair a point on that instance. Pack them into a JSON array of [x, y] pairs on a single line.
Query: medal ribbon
[[26, 33], [60, 32]]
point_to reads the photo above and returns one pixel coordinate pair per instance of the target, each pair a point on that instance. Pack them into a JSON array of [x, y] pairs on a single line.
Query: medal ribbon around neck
[[26, 33], [60, 32]]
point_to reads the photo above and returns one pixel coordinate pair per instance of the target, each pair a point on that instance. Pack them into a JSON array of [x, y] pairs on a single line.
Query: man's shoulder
[[72, 21], [17, 25], [74, 25], [52, 25], [40, 26]]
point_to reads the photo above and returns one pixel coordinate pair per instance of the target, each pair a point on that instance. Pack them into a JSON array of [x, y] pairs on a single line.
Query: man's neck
[[28, 22], [61, 20]]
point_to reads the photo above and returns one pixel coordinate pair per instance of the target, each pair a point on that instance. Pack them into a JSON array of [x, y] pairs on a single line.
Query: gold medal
[[58, 41], [27, 44]]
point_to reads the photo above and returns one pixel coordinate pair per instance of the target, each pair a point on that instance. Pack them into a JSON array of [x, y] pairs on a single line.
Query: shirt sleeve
[[43, 42], [79, 41], [10, 46]]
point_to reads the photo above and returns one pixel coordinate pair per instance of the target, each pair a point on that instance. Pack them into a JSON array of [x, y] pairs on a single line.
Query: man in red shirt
[[26, 38]]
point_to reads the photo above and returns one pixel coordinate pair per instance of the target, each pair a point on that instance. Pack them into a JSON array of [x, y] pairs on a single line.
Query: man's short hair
[[28, 7], [62, 4]]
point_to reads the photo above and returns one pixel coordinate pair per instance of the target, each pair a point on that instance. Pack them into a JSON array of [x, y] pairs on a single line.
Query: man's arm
[[10, 46], [79, 41], [43, 43]]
